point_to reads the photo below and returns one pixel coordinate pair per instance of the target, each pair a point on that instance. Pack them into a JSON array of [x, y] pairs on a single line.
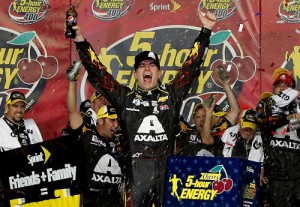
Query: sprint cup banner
[[211, 181], [45, 174]]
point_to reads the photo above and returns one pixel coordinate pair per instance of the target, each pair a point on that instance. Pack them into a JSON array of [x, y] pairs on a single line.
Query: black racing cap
[[146, 55]]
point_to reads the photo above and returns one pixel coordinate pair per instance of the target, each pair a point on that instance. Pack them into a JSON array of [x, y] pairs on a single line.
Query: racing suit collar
[[146, 92]]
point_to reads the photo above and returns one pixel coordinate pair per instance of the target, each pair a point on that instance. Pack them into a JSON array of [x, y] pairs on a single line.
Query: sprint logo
[[39, 157], [172, 6]]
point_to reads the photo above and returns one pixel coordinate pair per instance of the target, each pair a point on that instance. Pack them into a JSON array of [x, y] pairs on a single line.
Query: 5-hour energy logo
[[28, 11], [289, 11], [206, 187], [221, 8], [109, 10], [119, 60]]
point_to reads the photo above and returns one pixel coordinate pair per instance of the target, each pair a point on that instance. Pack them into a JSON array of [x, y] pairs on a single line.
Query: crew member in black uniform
[[149, 112], [100, 151], [279, 122]]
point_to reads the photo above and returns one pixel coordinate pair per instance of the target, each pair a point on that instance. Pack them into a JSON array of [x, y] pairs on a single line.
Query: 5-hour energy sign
[[205, 187], [173, 44], [211, 181]]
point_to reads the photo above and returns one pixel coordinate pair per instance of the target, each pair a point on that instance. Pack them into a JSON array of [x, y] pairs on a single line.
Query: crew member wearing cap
[[100, 148], [149, 111], [90, 114], [219, 123], [88, 108], [16, 131], [243, 140], [278, 114]]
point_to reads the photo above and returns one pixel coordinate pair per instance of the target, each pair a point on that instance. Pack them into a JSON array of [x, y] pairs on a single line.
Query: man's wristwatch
[[205, 30]]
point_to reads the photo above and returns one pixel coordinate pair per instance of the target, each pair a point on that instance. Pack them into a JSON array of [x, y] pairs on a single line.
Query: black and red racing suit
[[147, 118]]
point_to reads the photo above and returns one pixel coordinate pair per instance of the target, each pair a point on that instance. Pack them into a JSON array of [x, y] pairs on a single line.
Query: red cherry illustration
[[230, 68], [29, 72], [246, 66], [219, 186], [49, 65], [228, 183]]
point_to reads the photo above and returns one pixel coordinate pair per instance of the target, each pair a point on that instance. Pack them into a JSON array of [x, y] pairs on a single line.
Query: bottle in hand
[[222, 74], [71, 20], [209, 100]]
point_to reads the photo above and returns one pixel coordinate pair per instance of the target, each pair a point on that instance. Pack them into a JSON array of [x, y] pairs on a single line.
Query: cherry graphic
[[219, 186], [49, 65], [230, 69], [228, 183], [29, 72], [246, 66], [45, 7]]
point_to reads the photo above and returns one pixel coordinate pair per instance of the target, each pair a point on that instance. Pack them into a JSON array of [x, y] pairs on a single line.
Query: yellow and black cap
[[95, 95], [248, 119], [16, 96], [218, 111], [107, 112]]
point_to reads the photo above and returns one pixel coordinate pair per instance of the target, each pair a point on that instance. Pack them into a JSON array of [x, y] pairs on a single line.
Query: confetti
[[297, 31], [241, 27], [139, 11], [228, 69]]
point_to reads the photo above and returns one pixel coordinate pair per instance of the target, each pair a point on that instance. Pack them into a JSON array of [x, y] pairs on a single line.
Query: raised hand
[[74, 70], [209, 20]]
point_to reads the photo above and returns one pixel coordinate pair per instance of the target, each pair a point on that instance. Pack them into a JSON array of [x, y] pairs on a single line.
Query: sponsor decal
[[108, 10], [172, 6], [206, 186], [28, 11], [223, 9], [205, 181], [39, 157], [289, 11]]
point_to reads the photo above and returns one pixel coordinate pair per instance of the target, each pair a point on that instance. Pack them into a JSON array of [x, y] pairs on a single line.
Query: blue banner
[[211, 181]]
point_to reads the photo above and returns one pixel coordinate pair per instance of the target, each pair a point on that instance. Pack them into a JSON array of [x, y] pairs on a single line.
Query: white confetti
[[241, 27]]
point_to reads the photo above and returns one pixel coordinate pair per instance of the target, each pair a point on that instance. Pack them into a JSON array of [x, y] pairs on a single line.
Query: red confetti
[[286, 2], [139, 11], [272, 64]]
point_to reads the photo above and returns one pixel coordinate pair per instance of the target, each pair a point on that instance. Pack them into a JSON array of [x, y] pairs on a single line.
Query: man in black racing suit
[[279, 117], [149, 112]]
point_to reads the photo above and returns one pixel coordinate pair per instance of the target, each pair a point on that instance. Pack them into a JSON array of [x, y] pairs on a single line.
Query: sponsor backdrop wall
[[251, 39]]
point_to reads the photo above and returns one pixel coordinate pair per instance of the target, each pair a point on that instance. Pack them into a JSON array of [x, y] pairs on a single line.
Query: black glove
[[74, 70]]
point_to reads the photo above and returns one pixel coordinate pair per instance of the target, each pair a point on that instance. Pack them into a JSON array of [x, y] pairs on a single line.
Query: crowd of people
[[127, 133]]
